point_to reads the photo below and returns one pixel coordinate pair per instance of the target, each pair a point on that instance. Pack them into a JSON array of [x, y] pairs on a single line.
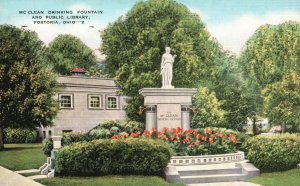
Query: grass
[[290, 178], [107, 181], [22, 156]]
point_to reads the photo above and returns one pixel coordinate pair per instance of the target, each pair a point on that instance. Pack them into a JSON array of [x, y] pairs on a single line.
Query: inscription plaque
[[168, 115]]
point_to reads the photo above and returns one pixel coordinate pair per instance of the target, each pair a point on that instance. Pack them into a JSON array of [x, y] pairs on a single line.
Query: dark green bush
[[71, 137], [20, 135], [278, 152], [47, 146], [119, 156], [67, 139]]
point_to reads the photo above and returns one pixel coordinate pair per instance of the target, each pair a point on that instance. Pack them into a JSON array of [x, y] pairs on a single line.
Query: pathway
[[235, 183], [10, 178]]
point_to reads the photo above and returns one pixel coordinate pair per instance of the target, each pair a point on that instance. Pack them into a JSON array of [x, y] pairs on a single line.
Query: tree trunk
[[254, 127], [1, 139], [283, 128]]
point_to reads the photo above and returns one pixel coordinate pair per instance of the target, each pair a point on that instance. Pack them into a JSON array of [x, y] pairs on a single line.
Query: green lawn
[[289, 178], [22, 156], [107, 181]]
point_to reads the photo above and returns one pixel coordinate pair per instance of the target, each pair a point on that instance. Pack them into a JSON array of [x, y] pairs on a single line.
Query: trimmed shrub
[[114, 130], [47, 146], [67, 139], [131, 126], [20, 135], [100, 133], [71, 137], [117, 156], [277, 152], [128, 126]]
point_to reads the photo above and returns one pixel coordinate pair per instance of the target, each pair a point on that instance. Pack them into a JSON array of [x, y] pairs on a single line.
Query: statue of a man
[[166, 72]]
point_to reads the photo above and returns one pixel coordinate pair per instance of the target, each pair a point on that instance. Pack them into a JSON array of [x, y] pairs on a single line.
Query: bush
[[117, 156], [67, 139], [100, 133], [71, 137], [47, 146], [128, 126], [20, 135], [114, 130], [278, 152]]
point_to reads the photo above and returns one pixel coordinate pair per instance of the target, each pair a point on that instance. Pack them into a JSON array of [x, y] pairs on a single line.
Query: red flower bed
[[193, 141]]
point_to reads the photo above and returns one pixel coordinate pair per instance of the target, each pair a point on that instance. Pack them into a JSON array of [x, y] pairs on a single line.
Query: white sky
[[231, 22]]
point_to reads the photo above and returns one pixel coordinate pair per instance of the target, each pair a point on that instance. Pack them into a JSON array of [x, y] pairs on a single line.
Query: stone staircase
[[47, 168], [45, 171], [211, 173]]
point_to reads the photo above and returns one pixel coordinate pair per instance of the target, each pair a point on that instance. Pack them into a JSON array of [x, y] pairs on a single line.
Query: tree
[[282, 100], [26, 86], [208, 110], [66, 52], [230, 88], [272, 52], [97, 71], [134, 44], [255, 104], [270, 55]]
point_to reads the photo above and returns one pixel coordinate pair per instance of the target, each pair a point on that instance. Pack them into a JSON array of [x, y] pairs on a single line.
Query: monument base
[[168, 108]]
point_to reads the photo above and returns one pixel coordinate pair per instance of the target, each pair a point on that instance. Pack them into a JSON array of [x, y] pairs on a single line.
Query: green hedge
[[118, 156], [128, 126], [100, 133], [47, 146], [278, 152], [20, 135], [67, 139], [72, 137]]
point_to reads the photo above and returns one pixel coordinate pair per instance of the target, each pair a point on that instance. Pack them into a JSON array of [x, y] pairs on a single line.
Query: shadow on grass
[[17, 147]]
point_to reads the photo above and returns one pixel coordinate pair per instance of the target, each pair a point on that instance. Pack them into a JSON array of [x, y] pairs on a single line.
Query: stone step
[[37, 177], [213, 178], [232, 183], [233, 170], [207, 167]]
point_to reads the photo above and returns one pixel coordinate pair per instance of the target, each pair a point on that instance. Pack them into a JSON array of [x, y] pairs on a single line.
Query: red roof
[[78, 70]]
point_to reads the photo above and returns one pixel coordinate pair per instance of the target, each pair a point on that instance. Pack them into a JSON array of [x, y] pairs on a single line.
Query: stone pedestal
[[56, 142], [167, 107]]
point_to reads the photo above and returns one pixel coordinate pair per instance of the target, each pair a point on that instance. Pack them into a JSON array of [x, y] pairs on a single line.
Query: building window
[[66, 131], [65, 101], [49, 133], [112, 102], [95, 102]]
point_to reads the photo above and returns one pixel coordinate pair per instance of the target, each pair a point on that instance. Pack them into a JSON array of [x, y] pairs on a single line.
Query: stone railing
[[207, 159]]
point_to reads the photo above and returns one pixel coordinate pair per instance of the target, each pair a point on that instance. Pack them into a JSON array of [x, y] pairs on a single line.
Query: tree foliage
[[272, 52], [231, 88], [66, 52], [26, 86], [282, 99], [97, 70], [134, 44], [271, 56], [208, 110]]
